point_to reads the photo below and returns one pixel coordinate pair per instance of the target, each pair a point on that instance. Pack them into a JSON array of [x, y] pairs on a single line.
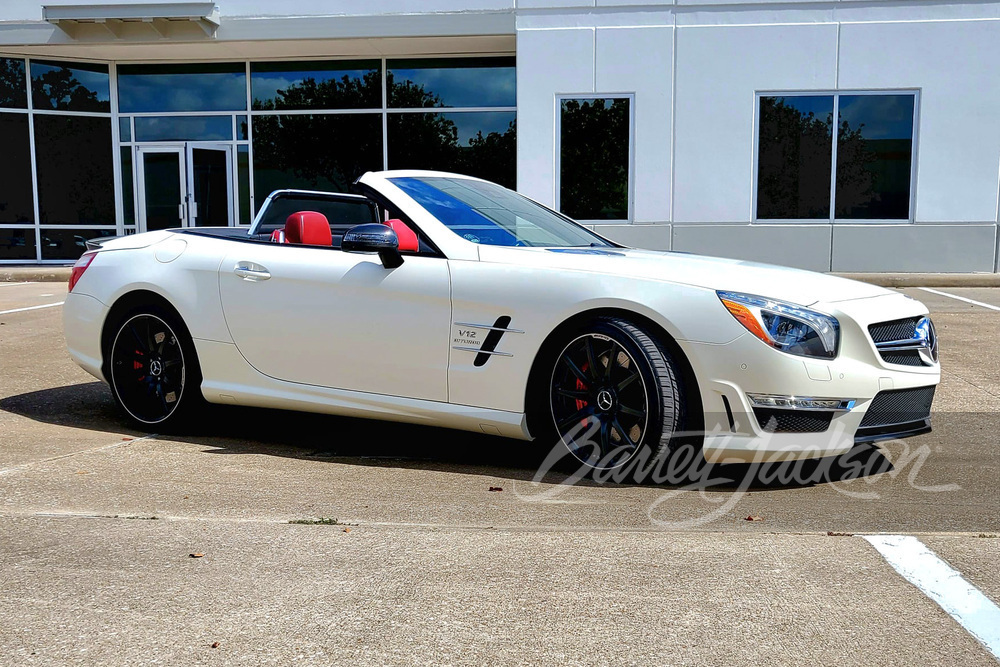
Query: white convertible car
[[441, 299]]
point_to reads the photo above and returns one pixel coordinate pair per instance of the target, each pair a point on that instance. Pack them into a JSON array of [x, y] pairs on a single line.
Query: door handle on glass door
[[252, 272]]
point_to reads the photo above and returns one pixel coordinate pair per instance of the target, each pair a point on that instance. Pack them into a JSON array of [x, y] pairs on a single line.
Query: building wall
[[693, 70]]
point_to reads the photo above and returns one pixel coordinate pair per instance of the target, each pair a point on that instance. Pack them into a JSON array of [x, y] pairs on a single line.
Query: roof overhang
[[165, 20]]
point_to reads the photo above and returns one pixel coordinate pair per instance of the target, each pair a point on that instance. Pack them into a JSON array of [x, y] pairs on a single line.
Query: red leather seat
[[308, 228], [408, 241], [278, 236]]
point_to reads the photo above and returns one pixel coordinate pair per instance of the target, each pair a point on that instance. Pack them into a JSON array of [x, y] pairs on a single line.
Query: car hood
[[717, 273]]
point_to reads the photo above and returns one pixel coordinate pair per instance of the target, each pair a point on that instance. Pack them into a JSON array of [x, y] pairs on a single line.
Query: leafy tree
[[594, 159], [59, 89], [12, 90]]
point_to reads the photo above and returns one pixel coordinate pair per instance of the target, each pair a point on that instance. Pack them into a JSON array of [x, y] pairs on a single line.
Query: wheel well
[[126, 303], [537, 384]]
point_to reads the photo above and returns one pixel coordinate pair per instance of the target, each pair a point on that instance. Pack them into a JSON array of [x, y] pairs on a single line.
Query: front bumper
[[727, 373]]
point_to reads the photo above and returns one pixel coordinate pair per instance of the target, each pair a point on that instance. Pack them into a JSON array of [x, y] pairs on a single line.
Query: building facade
[[833, 135]]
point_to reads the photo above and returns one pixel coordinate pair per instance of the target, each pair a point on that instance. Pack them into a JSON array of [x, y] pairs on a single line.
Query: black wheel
[[154, 373], [614, 391]]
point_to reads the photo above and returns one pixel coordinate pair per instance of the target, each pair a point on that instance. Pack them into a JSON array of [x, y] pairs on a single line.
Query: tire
[[614, 394], [153, 370]]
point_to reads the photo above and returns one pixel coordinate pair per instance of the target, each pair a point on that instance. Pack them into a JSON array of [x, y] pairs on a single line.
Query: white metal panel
[[639, 61], [958, 140], [718, 71], [549, 62]]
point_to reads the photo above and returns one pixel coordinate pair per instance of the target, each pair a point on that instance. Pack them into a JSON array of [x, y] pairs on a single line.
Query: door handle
[[252, 272]]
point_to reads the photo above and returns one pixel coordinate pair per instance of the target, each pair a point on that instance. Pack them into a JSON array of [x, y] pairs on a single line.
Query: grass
[[322, 521]]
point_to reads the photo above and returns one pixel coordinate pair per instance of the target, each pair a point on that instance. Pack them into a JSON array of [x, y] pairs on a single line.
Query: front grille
[[898, 407], [897, 330], [902, 357], [883, 332], [792, 421]]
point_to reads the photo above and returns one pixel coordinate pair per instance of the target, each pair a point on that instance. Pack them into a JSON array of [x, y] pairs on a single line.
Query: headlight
[[785, 326]]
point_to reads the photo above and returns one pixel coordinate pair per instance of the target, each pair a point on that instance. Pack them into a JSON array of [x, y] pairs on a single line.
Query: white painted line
[[21, 310], [961, 298], [114, 445], [942, 583]]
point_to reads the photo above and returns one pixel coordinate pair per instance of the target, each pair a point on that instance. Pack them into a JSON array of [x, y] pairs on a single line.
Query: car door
[[324, 317]]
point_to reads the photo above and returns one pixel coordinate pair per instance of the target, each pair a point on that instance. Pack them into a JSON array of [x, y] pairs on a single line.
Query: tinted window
[[128, 195], [314, 152], [482, 144], [794, 156], [183, 128], [16, 204], [75, 175], [874, 156], [486, 213], [451, 82], [341, 214], [594, 159], [70, 86], [12, 87], [201, 87], [17, 244], [332, 84], [69, 243]]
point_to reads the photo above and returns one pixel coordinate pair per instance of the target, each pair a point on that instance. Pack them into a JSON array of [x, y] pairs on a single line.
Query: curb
[[926, 279], [35, 274], [60, 274]]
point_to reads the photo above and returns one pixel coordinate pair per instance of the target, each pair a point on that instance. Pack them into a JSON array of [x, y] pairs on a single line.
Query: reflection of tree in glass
[[326, 151], [594, 159], [794, 161], [59, 89], [12, 91], [857, 184], [75, 181]]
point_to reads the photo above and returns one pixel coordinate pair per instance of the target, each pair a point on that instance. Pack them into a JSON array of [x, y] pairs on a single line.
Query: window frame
[[557, 180], [836, 94]]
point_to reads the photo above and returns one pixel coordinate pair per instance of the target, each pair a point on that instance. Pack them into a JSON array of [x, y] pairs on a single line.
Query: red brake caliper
[[580, 403]]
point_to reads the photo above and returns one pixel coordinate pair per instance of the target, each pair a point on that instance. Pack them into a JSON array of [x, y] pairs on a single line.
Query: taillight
[[78, 268]]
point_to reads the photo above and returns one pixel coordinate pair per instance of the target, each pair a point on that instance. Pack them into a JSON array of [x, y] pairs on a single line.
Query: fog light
[[800, 402]]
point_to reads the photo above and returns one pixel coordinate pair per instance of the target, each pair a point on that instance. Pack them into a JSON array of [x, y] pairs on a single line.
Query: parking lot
[[400, 552]]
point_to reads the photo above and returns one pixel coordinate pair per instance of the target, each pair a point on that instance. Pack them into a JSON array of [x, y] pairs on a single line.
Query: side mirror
[[373, 237]]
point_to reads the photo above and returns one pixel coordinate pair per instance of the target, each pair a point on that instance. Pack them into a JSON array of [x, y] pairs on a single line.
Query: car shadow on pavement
[[354, 441]]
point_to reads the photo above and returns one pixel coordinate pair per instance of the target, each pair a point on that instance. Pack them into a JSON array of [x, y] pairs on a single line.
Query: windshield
[[487, 213]]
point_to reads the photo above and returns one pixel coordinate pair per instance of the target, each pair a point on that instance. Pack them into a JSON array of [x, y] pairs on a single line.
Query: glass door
[[185, 185], [210, 185], [162, 187]]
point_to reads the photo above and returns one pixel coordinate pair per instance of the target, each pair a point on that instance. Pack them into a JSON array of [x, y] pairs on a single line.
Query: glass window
[[69, 243], [125, 128], [75, 173], [594, 158], [70, 86], [794, 157], [242, 128], [874, 153], [493, 215], [128, 193], [13, 92], [451, 82], [201, 87], [482, 144], [243, 178], [314, 152], [16, 203], [17, 244], [874, 156], [184, 128], [330, 84]]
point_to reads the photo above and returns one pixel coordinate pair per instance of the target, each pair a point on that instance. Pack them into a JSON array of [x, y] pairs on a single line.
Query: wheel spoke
[[623, 433], [574, 418], [138, 338], [627, 381], [575, 370], [577, 394], [588, 345], [611, 360], [632, 412]]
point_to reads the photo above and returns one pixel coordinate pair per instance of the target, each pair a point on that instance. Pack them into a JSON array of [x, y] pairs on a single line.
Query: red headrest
[[308, 228], [408, 240]]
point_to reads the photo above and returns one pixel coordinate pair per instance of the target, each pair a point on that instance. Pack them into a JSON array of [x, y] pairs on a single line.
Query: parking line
[[12, 284], [961, 298], [942, 583], [21, 310]]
